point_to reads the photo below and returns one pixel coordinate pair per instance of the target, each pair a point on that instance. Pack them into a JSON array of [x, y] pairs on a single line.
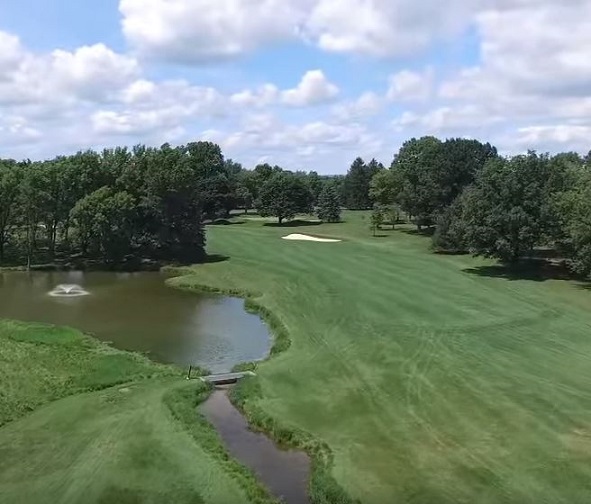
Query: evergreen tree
[[329, 208], [357, 186]]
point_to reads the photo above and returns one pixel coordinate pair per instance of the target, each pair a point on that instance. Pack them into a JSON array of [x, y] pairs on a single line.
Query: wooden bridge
[[223, 379], [226, 379]]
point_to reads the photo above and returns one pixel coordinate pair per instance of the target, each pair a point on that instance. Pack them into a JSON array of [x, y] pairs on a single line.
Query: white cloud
[[89, 73], [313, 89], [411, 86], [147, 107], [17, 129], [559, 137], [201, 30], [11, 52], [264, 96], [367, 105], [529, 86]]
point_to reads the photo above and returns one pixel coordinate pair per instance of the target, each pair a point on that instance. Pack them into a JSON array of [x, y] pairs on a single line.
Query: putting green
[[432, 378]]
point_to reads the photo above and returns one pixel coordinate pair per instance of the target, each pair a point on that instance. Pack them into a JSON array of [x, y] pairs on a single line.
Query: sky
[[306, 84]]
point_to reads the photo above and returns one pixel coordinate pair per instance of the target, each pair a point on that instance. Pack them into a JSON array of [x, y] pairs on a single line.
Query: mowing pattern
[[431, 384]]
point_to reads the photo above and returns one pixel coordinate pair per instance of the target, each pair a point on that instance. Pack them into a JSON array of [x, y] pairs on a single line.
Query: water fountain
[[68, 290]]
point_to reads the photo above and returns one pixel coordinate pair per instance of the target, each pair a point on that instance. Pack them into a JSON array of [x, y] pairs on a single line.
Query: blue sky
[[307, 84]]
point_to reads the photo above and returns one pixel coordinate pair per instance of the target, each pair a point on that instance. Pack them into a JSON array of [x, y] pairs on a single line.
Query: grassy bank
[[40, 364], [83, 422], [430, 378]]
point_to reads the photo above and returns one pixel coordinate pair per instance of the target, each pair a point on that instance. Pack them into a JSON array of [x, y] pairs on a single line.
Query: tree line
[[141, 204], [473, 200], [151, 204]]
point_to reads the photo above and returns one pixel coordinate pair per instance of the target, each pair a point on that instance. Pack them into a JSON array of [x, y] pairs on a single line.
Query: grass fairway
[[432, 384]]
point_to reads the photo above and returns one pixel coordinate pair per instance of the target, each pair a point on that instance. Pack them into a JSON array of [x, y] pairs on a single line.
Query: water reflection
[[136, 311]]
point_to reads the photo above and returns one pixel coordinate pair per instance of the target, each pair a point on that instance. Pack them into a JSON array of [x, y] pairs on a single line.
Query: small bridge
[[226, 379], [223, 379]]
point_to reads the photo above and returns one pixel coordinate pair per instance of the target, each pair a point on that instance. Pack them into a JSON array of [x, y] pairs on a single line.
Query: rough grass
[[139, 442], [39, 364], [427, 381], [123, 445]]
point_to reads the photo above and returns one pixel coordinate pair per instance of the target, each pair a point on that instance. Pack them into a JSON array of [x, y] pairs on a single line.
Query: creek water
[[138, 312], [284, 473]]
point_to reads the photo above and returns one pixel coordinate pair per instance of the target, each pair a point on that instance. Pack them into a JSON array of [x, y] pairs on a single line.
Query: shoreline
[[322, 487]]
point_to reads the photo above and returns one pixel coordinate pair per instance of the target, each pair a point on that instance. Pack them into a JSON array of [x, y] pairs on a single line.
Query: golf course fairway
[[431, 379]]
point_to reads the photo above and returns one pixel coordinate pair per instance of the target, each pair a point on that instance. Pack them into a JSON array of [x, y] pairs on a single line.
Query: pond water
[[138, 312]]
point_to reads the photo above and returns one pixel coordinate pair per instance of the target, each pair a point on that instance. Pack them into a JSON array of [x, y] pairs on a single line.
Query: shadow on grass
[[422, 232], [226, 222], [293, 224], [215, 258], [537, 270]]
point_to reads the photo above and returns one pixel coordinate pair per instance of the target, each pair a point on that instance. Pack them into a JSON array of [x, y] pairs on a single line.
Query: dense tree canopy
[[284, 195], [357, 183], [153, 203], [431, 174]]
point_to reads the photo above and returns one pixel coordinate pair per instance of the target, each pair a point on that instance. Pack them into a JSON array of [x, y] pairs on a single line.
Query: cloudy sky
[[308, 84]]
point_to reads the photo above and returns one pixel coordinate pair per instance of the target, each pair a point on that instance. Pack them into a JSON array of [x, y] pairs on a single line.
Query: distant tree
[[574, 207], [251, 181], [504, 214], [377, 219], [215, 184], [385, 187], [104, 223], [432, 174], [9, 194], [413, 166], [329, 207], [315, 184], [357, 186], [244, 197], [450, 232], [284, 196]]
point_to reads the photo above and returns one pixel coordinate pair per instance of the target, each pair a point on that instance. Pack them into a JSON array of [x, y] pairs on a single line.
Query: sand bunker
[[302, 237]]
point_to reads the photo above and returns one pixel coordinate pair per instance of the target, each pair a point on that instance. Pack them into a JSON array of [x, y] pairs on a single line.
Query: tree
[[244, 197], [104, 222], [574, 206], [377, 219], [385, 187], [284, 196], [315, 184], [329, 207], [432, 174], [9, 194], [357, 185], [450, 232], [412, 166], [504, 213], [32, 200]]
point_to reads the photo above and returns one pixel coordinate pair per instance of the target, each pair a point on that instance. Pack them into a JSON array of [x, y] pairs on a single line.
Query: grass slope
[[118, 446], [141, 441], [431, 383], [40, 363]]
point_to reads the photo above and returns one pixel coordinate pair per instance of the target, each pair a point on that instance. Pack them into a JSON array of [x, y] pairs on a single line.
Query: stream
[[284, 473]]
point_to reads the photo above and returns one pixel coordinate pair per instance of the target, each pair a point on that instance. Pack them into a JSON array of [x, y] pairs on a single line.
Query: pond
[[138, 312]]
